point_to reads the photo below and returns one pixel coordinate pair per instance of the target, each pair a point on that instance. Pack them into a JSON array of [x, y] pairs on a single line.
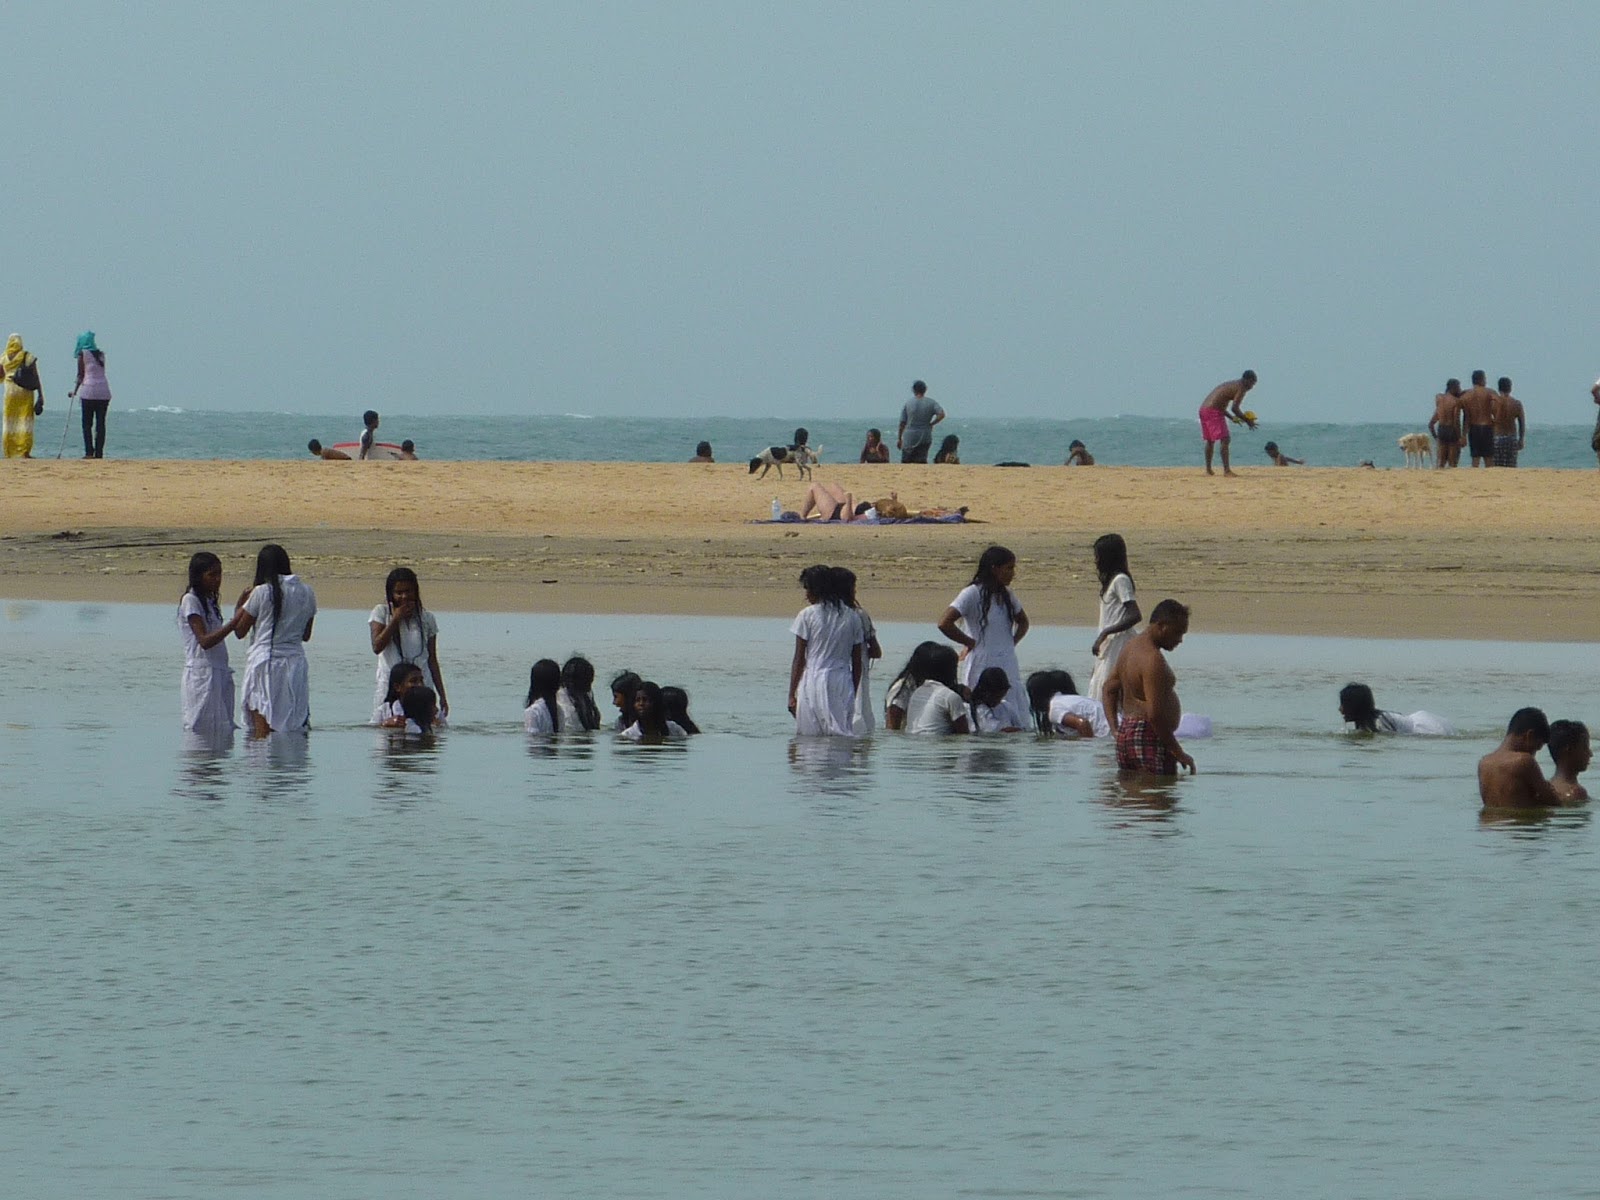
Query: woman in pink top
[[93, 393]]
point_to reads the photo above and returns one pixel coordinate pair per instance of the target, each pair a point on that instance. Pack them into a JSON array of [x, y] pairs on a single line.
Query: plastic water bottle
[[777, 509]]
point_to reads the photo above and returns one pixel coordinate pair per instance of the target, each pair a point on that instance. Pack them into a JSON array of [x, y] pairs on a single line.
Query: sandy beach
[[1433, 554]]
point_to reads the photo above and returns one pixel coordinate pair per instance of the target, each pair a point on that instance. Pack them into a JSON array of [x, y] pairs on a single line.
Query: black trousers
[[94, 427]]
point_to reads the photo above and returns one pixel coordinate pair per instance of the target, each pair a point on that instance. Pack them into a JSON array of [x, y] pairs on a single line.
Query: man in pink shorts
[[1214, 415]]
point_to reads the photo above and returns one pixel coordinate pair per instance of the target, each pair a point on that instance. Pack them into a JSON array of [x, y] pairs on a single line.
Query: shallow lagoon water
[[338, 965]]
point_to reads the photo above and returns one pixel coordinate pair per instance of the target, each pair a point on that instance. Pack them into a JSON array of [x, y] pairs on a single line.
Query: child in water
[[1280, 459], [1569, 750], [207, 677], [421, 708], [651, 723], [403, 676], [575, 702], [543, 711], [987, 694]]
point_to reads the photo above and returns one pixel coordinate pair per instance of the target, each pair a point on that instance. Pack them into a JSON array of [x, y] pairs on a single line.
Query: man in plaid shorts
[[1142, 691]]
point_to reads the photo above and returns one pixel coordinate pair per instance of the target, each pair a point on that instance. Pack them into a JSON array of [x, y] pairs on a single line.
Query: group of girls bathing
[[561, 700]]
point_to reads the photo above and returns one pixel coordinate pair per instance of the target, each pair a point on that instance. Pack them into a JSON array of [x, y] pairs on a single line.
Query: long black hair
[[986, 683], [398, 576], [272, 564], [824, 585], [675, 703], [421, 705], [199, 564], [577, 680], [1110, 559], [1357, 706], [544, 682], [990, 561], [655, 725], [1044, 686], [398, 674]]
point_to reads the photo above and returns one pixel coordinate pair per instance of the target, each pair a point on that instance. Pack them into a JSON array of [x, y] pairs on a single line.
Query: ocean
[[1114, 441], [345, 965]]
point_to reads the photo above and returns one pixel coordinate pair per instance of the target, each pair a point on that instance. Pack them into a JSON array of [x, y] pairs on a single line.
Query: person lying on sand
[[327, 452], [829, 501]]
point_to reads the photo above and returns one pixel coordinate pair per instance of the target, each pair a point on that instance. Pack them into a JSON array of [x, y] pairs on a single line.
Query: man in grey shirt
[[917, 420]]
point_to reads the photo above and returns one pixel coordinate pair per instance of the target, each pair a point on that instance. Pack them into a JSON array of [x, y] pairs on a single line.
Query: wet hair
[[656, 723], [1271, 447], [577, 680], [875, 433], [914, 665], [938, 664], [1169, 612], [947, 447], [919, 388], [675, 706], [1529, 720], [398, 674], [845, 580], [1075, 444], [990, 561], [544, 682], [1358, 707], [824, 586], [1564, 736], [199, 563], [1504, 387], [396, 577], [1452, 387], [408, 446], [1248, 377], [702, 449], [802, 436], [1110, 559], [1044, 686], [626, 685], [369, 418], [422, 706], [989, 688], [272, 564], [314, 446], [1479, 379]]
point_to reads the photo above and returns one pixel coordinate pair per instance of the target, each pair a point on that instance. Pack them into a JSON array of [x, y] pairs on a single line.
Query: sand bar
[[1440, 554]]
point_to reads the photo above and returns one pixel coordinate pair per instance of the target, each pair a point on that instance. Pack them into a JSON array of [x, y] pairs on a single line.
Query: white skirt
[[279, 688], [207, 698], [823, 704]]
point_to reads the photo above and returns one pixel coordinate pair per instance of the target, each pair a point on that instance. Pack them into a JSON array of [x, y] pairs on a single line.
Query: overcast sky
[[748, 209]]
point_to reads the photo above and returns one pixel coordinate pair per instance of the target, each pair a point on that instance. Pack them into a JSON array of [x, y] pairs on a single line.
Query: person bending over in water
[[1569, 750], [987, 695], [1357, 706], [327, 452], [829, 501], [1509, 775], [1057, 707], [1141, 696]]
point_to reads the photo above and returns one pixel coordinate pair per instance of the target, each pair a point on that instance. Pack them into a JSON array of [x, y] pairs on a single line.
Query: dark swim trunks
[[1139, 749], [1505, 450], [1480, 441], [1449, 435], [915, 454]]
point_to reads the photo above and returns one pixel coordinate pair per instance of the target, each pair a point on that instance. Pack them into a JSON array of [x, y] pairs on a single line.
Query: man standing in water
[[1445, 424], [1214, 415], [917, 419], [1477, 402], [1142, 691], [1509, 775], [1510, 425]]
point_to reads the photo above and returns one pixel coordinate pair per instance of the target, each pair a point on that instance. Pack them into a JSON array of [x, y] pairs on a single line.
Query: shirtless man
[[1142, 692], [1510, 427], [1569, 750], [1477, 403], [1214, 415], [1509, 776], [1446, 424]]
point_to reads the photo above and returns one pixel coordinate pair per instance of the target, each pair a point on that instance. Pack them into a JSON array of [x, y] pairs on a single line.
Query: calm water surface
[[336, 966]]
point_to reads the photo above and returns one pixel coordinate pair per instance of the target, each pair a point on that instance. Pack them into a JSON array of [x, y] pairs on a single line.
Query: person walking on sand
[[1141, 697], [24, 397], [1509, 775], [93, 394], [1447, 424], [917, 419], [1214, 416], [1477, 402], [1510, 425]]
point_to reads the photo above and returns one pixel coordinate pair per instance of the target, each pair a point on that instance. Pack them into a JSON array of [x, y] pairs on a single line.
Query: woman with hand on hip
[[987, 621], [93, 393]]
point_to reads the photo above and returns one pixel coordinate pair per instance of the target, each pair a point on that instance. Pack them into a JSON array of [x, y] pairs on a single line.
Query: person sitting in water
[[1357, 706], [1569, 750], [408, 450], [949, 451], [702, 453], [1279, 458], [1078, 455], [829, 501], [327, 452], [1057, 707], [987, 694], [874, 451], [1509, 775]]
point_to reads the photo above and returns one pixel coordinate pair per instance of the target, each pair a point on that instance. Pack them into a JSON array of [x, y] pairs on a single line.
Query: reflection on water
[[205, 772], [1533, 822], [1142, 799], [281, 763]]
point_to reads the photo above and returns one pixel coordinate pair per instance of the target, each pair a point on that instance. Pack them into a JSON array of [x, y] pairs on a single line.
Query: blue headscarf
[[85, 342]]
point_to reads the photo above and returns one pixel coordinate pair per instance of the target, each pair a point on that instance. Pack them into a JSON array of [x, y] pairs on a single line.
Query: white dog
[[803, 458], [1418, 448]]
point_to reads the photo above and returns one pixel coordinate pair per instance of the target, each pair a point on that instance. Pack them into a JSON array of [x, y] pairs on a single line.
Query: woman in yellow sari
[[24, 397]]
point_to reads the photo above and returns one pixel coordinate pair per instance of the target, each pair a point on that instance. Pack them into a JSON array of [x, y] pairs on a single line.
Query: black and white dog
[[802, 457]]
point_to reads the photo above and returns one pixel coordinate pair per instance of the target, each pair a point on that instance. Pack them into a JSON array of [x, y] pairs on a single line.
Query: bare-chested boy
[[1569, 750], [1510, 426], [1509, 776], [1214, 415], [1142, 691], [1447, 424], [1477, 402]]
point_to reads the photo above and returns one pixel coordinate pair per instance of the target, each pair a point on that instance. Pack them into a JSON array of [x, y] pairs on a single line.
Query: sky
[[738, 209]]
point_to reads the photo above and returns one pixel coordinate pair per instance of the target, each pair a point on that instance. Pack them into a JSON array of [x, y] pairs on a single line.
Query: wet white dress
[[409, 643], [863, 715], [207, 677], [536, 717], [826, 695], [996, 647], [1113, 611], [276, 678], [933, 708], [1065, 703]]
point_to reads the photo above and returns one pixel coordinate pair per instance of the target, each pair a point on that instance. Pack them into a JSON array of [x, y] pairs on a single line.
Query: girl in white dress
[[1357, 706], [988, 621], [576, 698], [402, 678], [650, 718], [403, 631], [935, 706], [543, 712], [826, 667], [207, 677], [987, 695], [280, 609], [1119, 611], [1058, 709], [869, 651], [903, 684]]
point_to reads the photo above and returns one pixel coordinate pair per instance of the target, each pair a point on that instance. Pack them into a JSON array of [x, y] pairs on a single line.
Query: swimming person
[[543, 711], [1141, 696], [207, 694], [1214, 416], [988, 621], [675, 707], [1119, 611], [935, 706], [402, 630], [93, 394], [280, 608], [403, 676], [1569, 750], [987, 695], [651, 724], [624, 688], [870, 650], [1357, 706], [1057, 707], [576, 698], [1509, 775], [825, 669]]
